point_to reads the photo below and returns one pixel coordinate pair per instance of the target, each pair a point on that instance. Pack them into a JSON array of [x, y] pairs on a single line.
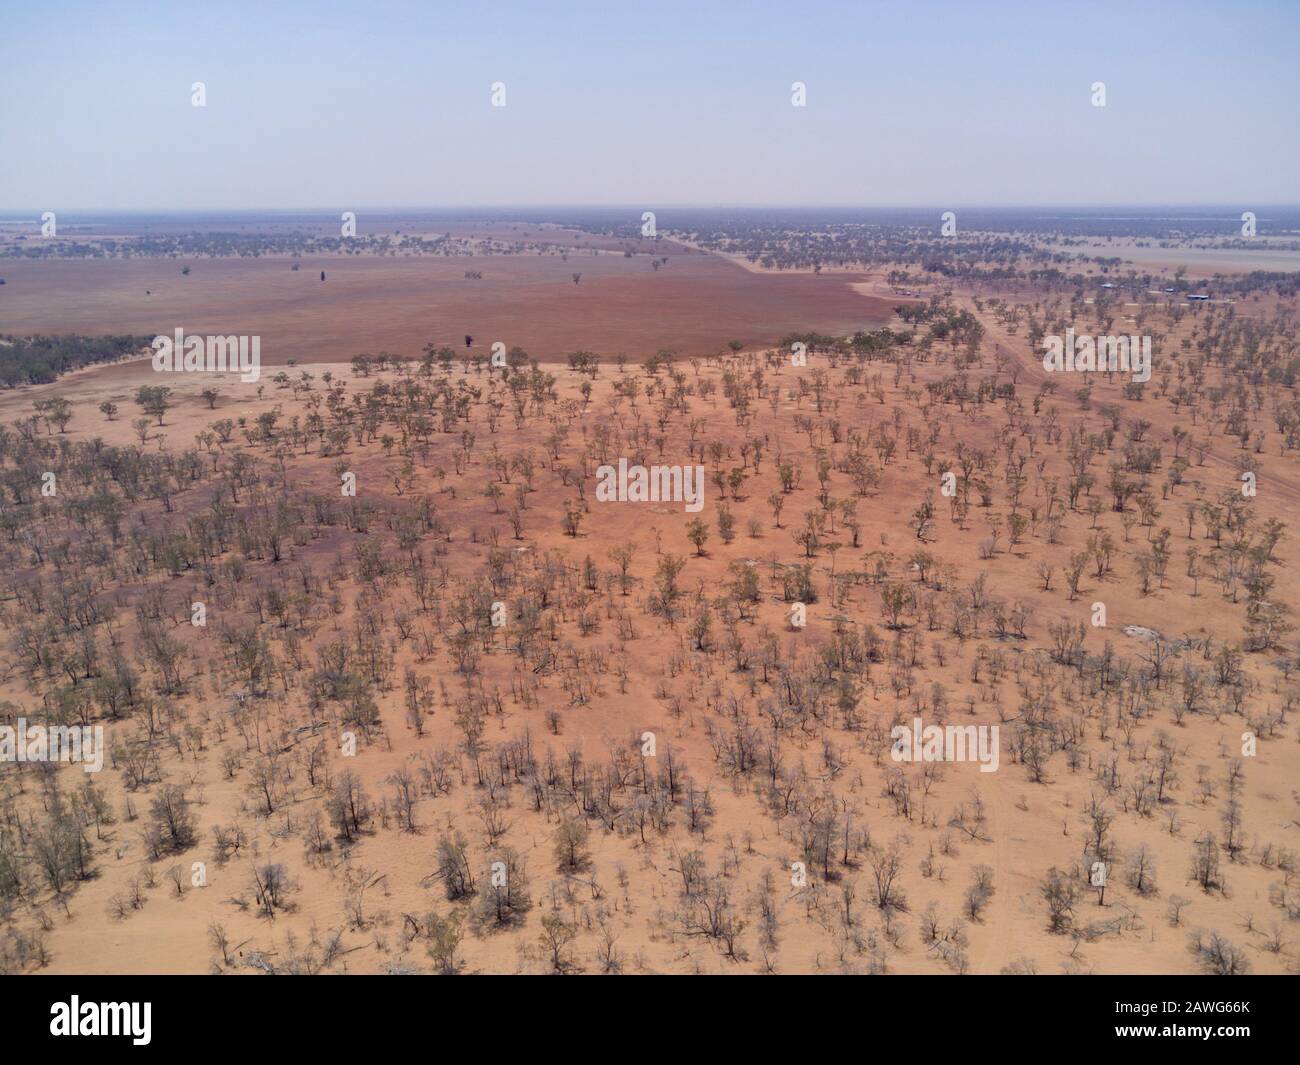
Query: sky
[[329, 105]]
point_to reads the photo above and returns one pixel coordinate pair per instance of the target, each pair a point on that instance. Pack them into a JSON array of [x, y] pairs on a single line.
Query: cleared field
[[693, 305]]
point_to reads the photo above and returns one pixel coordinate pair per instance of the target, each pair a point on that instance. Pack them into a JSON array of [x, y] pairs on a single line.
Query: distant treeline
[[40, 360]]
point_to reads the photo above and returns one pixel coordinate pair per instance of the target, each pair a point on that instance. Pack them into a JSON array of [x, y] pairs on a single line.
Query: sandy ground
[[1031, 826]]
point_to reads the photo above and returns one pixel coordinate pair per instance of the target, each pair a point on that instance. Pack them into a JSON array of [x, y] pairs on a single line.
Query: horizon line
[[642, 205]]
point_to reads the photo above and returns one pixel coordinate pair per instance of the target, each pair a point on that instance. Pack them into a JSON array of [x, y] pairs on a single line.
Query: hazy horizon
[[933, 103], [326, 211]]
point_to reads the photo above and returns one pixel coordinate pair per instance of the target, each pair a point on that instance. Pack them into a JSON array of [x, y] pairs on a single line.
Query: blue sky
[[323, 105]]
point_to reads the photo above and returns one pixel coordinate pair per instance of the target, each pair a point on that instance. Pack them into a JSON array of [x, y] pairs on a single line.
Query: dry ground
[[672, 689]]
